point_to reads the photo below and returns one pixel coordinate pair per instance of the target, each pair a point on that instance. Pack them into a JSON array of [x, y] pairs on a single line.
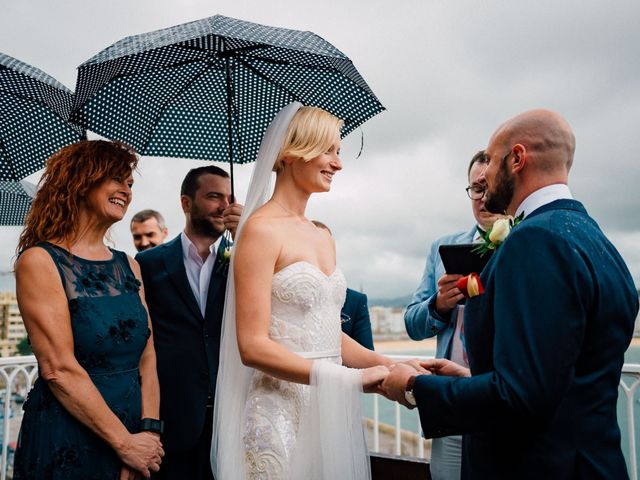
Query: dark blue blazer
[[546, 344], [355, 318], [187, 345]]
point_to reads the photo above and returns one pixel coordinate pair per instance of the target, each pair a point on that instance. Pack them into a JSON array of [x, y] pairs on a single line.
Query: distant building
[[387, 322], [12, 329]]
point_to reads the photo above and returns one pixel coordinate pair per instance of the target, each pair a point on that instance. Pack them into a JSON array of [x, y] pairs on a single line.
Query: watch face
[[408, 396]]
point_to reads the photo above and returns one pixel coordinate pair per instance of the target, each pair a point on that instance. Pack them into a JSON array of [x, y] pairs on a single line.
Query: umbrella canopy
[[34, 113], [208, 89], [14, 203]]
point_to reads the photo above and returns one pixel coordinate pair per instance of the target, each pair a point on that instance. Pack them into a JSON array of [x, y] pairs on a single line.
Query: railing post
[[398, 430], [629, 393], [420, 440], [376, 423]]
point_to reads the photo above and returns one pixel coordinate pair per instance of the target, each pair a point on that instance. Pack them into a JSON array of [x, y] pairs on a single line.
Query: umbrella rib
[[265, 77], [281, 62]]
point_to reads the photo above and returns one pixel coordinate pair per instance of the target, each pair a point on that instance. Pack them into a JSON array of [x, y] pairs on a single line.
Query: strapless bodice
[[305, 309]]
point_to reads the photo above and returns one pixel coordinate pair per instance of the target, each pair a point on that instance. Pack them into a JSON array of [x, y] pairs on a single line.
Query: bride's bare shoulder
[[263, 223]]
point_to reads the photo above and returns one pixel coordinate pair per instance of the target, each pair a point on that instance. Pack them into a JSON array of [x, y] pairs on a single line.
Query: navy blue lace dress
[[110, 332]]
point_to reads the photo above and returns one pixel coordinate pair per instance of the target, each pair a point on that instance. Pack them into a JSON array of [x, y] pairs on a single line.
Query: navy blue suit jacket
[[546, 344], [187, 345], [358, 325]]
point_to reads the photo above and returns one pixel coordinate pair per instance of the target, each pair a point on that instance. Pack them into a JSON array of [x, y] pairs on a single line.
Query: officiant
[[434, 310]]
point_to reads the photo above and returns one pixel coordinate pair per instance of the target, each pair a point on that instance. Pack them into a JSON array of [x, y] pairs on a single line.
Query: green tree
[[24, 347]]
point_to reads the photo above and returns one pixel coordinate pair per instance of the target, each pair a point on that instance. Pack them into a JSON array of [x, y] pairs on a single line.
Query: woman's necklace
[[301, 217]]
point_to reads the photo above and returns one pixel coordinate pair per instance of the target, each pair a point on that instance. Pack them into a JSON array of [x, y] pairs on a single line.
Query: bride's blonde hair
[[310, 133]]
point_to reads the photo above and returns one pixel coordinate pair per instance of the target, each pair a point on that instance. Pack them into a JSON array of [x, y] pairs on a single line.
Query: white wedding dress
[[305, 318]]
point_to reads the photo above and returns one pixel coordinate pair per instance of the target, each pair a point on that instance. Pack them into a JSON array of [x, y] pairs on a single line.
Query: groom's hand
[[395, 385]]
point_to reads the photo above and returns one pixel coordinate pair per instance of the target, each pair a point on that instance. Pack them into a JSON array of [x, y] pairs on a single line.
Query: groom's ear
[[519, 158]]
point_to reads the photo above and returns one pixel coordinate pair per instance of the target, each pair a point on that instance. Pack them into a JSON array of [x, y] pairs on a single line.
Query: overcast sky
[[448, 73]]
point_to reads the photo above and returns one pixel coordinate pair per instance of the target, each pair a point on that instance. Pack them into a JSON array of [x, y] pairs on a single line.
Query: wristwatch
[[408, 393], [152, 425]]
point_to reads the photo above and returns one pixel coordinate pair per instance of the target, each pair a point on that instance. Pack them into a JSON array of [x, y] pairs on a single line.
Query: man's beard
[[203, 224], [498, 200]]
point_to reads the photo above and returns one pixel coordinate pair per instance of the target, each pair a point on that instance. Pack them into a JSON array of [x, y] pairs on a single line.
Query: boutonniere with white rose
[[225, 259], [497, 234]]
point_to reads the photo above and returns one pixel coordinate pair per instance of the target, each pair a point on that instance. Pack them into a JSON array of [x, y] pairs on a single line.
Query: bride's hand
[[372, 377]]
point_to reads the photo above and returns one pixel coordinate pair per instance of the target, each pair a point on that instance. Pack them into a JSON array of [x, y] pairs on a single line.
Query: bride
[[285, 406]]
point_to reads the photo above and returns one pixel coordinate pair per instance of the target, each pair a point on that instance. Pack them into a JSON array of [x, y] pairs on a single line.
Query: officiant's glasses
[[476, 192]]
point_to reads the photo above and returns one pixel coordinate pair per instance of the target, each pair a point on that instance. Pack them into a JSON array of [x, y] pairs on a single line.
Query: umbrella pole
[[230, 121]]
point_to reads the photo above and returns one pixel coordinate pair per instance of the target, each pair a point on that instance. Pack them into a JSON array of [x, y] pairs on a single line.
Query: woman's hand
[[128, 473], [372, 377], [142, 452], [442, 366]]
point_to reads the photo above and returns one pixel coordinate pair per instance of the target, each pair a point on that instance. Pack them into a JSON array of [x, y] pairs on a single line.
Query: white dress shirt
[[199, 271], [543, 196]]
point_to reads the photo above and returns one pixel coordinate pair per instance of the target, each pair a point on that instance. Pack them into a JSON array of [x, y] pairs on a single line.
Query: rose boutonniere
[[470, 286], [497, 234], [225, 259]]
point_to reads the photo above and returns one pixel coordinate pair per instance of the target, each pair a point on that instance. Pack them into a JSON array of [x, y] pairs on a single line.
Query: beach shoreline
[[429, 345]]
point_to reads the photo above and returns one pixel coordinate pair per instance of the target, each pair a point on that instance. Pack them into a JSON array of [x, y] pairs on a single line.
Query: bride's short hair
[[310, 133]]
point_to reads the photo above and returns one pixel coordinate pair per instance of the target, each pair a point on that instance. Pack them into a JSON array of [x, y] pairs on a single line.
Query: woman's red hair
[[70, 174]]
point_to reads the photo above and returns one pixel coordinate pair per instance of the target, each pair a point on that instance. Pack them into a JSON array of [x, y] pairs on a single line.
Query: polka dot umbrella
[[14, 203], [34, 113], [208, 89]]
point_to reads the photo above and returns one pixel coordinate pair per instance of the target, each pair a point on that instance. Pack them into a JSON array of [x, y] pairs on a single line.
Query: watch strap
[[151, 425]]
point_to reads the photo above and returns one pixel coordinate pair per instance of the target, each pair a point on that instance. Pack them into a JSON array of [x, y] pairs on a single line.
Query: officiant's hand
[[442, 366], [417, 365], [448, 294], [231, 217], [372, 377]]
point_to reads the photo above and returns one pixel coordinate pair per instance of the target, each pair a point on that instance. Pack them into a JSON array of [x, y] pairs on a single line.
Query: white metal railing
[[629, 385], [18, 374]]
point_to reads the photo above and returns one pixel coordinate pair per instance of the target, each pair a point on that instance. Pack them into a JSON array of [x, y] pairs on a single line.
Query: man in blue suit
[[434, 310], [184, 282], [546, 340], [355, 311], [355, 318]]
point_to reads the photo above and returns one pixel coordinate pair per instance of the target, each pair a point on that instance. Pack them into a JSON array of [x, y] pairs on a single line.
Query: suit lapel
[[218, 278], [174, 264]]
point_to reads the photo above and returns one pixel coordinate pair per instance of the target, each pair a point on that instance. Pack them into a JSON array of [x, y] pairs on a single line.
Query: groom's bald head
[[546, 135], [527, 152]]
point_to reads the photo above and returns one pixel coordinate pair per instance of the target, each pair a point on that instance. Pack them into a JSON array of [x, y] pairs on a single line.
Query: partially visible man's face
[[500, 182], [147, 234], [483, 217], [210, 200]]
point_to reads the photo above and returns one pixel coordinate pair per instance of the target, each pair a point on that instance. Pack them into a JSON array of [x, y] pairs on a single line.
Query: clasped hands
[[141, 455], [393, 383]]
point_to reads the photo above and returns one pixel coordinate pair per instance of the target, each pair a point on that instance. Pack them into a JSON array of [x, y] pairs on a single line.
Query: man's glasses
[[475, 192]]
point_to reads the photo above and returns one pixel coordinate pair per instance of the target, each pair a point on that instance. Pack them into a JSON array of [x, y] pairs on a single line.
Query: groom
[[184, 282], [546, 340]]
